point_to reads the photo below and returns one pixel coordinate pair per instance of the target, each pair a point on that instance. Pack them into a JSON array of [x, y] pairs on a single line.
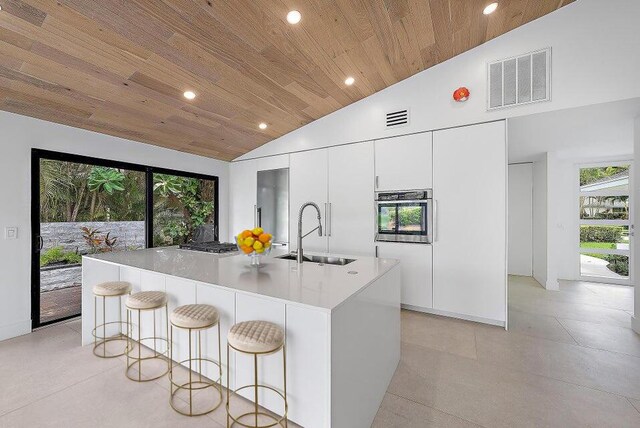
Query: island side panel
[[253, 308], [365, 351], [225, 303], [309, 366], [180, 292], [93, 273]]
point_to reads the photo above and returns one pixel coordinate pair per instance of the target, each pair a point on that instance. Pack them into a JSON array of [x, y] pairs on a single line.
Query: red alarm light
[[461, 94]]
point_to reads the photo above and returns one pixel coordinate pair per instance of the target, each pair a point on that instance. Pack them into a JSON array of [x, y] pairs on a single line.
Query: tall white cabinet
[[469, 250], [308, 182], [340, 180]]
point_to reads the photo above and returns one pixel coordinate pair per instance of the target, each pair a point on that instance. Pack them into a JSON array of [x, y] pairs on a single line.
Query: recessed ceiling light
[[490, 9], [349, 81], [294, 17], [189, 95], [262, 126]]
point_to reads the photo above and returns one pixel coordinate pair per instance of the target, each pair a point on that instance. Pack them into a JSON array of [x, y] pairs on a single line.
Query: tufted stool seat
[[256, 337], [196, 319], [194, 316], [147, 300], [113, 288]]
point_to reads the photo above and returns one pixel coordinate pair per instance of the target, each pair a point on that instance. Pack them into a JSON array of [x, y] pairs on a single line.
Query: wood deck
[[61, 303]]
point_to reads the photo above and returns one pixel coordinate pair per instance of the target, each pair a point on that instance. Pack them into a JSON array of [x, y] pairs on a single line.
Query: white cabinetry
[[351, 221], [417, 273], [340, 181], [243, 192], [308, 183], [469, 252], [404, 163]]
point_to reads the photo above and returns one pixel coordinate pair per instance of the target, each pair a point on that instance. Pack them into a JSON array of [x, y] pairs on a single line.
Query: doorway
[[606, 232], [82, 206]]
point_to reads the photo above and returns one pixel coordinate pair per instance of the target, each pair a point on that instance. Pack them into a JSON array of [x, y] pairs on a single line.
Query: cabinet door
[[350, 224], [404, 163], [416, 265], [469, 250], [242, 194], [308, 183]]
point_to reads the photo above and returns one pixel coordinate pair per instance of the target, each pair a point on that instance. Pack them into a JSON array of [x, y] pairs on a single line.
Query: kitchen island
[[342, 323]]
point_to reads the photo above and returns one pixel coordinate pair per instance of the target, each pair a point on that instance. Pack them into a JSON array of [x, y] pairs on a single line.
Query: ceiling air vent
[[518, 80], [397, 118]]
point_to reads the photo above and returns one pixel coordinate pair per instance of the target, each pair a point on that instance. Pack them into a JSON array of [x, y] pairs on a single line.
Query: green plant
[[618, 264], [103, 179], [601, 233], [58, 255]]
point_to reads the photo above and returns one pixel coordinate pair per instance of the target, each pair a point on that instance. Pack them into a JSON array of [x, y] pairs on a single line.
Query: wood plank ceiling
[[120, 67]]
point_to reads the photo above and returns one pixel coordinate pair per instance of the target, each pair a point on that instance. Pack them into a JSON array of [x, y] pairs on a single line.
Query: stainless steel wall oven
[[405, 216]]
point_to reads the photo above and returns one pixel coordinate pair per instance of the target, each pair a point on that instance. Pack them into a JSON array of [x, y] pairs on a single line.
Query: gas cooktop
[[210, 247]]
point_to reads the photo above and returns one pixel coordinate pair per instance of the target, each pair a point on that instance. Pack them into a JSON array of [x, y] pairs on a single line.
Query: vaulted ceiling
[[121, 67]]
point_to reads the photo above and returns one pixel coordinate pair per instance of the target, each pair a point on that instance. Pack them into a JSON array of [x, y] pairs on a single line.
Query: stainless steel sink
[[323, 260]]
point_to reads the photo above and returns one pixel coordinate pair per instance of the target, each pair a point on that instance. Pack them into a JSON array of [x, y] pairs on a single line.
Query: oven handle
[[412, 201]]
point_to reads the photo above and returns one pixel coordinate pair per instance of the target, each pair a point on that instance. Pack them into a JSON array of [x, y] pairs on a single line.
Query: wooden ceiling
[[120, 67]]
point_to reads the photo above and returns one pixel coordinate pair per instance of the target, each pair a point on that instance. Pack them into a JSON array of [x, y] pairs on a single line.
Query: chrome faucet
[[300, 254]]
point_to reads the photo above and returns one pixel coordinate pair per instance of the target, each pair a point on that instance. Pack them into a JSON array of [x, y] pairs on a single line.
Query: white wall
[[636, 219], [520, 219], [18, 136], [540, 220], [591, 39]]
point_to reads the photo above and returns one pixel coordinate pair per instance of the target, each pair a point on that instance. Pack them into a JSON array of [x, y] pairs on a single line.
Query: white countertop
[[310, 284]]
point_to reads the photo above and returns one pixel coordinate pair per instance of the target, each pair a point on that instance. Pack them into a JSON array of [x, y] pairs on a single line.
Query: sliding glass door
[[83, 206]]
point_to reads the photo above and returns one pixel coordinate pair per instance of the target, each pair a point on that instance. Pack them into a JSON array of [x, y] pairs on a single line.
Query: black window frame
[[38, 154]]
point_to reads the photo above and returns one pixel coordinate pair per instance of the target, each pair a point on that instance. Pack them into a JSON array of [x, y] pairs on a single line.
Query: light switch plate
[[10, 233]]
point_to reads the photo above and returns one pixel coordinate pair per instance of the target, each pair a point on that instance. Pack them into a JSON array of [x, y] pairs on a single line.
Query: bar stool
[[257, 338], [141, 302], [109, 290], [195, 318]]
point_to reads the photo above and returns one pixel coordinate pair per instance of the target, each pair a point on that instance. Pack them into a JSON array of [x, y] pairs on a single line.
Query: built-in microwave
[[405, 216]]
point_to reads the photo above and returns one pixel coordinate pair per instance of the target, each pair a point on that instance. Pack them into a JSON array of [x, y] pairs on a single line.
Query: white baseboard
[[454, 315], [635, 324], [15, 329]]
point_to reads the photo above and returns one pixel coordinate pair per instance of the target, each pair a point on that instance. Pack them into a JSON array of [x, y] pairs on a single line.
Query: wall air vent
[[397, 118], [518, 80]]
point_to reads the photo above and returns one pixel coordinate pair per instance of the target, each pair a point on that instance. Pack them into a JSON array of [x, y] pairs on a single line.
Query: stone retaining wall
[[130, 235], [63, 277]]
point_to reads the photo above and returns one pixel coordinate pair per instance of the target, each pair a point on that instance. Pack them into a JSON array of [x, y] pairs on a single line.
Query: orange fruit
[[247, 250], [246, 233], [265, 237]]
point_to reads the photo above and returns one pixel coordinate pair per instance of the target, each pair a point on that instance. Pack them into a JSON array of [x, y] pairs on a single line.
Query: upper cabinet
[[404, 163]]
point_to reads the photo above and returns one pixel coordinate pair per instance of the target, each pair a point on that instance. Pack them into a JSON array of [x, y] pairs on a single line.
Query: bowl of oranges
[[254, 243]]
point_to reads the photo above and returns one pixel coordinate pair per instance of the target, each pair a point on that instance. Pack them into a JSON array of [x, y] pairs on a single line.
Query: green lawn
[[603, 245]]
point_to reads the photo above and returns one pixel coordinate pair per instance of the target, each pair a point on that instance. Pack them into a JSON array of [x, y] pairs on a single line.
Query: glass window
[[387, 218], [611, 266], [181, 205], [410, 218], [604, 207], [605, 179], [604, 237]]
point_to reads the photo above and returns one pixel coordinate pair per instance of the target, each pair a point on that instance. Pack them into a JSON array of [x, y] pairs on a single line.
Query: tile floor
[[569, 359]]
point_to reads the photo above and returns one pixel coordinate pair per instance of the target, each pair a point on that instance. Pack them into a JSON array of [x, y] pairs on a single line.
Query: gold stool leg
[[139, 348], [284, 364], [104, 327], [255, 384], [190, 379], [228, 384]]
